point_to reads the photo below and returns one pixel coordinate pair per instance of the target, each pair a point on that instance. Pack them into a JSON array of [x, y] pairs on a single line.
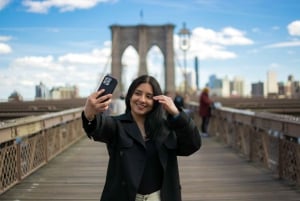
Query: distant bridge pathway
[[215, 173]]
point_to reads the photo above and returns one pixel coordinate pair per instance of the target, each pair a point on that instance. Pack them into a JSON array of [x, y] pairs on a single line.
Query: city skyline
[[69, 42], [270, 84]]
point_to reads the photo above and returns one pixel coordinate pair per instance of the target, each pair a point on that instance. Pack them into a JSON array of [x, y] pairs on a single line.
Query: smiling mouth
[[141, 106]]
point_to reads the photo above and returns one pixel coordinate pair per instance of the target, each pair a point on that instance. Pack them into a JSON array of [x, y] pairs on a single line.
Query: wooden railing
[[270, 140], [28, 143]]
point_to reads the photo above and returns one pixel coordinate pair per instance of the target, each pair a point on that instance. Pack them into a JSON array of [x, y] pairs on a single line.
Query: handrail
[[268, 139], [272, 140], [29, 143], [20, 127]]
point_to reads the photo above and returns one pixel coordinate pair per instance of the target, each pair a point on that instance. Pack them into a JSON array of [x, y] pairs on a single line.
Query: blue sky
[[63, 42]]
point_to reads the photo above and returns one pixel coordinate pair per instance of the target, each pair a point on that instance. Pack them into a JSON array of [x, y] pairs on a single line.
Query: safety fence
[[271, 140], [27, 144], [267, 139]]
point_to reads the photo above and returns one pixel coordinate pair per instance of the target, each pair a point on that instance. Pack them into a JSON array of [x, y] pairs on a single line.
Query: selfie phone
[[108, 83]]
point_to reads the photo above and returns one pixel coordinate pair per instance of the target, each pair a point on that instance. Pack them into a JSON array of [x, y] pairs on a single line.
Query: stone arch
[[155, 65], [129, 69], [142, 38]]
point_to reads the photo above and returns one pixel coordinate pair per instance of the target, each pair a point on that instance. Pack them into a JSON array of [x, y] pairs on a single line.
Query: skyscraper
[[257, 89], [271, 85], [41, 91], [237, 86]]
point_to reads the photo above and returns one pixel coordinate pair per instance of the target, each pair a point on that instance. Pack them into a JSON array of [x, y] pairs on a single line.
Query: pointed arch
[[155, 65], [129, 71], [142, 38]]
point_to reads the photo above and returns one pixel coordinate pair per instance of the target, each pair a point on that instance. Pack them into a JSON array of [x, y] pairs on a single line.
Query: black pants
[[204, 125]]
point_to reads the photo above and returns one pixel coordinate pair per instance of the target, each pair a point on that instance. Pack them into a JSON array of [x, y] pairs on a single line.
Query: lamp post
[[184, 44]]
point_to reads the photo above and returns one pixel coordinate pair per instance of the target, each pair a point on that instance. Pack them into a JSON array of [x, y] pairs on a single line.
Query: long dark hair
[[155, 118]]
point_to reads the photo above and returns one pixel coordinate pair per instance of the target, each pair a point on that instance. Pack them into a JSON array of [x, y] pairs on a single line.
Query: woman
[[205, 110], [143, 144]]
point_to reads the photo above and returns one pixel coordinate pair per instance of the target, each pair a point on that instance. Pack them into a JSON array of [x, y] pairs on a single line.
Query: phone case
[[108, 83]]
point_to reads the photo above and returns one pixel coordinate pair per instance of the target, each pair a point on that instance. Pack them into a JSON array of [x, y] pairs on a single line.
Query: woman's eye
[[150, 96]]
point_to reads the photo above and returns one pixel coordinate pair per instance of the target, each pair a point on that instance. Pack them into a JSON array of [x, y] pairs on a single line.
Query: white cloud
[[275, 28], [97, 56], [210, 44], [228, 36], [284, 44], [232, 36], [4, 3], [5, 38], [294, 28], [36, 63], [5, 49], [63, 6], [83, 70]]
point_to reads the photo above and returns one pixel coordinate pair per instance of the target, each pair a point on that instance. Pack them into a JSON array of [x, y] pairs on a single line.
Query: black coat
[[127, 153]]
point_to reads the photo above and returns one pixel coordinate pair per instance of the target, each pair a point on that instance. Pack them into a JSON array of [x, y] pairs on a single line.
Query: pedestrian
[[205, 104], [179, 100], [143, 143]]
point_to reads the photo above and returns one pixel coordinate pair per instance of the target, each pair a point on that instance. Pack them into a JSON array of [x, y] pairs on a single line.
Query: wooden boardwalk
[[214, 173]]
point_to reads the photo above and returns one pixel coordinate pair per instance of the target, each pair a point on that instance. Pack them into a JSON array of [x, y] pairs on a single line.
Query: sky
[[68, 42]]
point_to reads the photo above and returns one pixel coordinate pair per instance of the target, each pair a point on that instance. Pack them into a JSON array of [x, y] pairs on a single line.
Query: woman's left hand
[[167, 103]]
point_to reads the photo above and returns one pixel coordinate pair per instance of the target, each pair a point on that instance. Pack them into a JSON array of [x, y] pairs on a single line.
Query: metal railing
[[28, 143]]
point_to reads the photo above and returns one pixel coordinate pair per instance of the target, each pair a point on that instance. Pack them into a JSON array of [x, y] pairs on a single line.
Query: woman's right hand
[[96, 103]]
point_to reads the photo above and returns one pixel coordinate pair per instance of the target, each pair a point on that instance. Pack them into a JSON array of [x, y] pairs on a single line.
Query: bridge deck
[[214, 173]]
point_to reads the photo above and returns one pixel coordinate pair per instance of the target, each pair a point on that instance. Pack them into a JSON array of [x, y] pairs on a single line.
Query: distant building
[[225, 87], [66, 92], [281, 90], [215, 85], [271, 88], [219, 87], [237, 87], [296, 89], [271, 84], [288, 86], [15, 96], [191, 83], [257, 89], [41, 91], [292, 88], [214, 82]]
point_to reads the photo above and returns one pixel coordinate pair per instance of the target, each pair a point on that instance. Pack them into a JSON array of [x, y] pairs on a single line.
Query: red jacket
[[204, 104]]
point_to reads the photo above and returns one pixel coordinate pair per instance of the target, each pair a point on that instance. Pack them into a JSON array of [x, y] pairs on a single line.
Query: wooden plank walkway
[[214, 173]]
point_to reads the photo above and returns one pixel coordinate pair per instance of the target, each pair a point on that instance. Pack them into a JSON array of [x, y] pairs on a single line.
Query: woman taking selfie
[[143, 143]]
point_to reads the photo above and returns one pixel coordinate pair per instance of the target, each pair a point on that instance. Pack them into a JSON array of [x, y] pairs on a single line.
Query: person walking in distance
[[143, 143], [205, 110], [179, 100]]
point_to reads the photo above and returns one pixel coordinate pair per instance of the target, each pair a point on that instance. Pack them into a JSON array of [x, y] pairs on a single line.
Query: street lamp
[[184, 44]]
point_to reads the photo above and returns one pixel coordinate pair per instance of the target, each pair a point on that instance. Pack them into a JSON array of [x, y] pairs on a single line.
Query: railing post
[[18, 142]]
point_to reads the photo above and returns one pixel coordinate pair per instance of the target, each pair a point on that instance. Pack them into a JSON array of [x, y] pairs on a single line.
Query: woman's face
[[141, 101]]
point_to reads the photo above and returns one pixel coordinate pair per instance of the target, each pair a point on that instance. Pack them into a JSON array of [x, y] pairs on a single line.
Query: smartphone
[[108, 83]]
